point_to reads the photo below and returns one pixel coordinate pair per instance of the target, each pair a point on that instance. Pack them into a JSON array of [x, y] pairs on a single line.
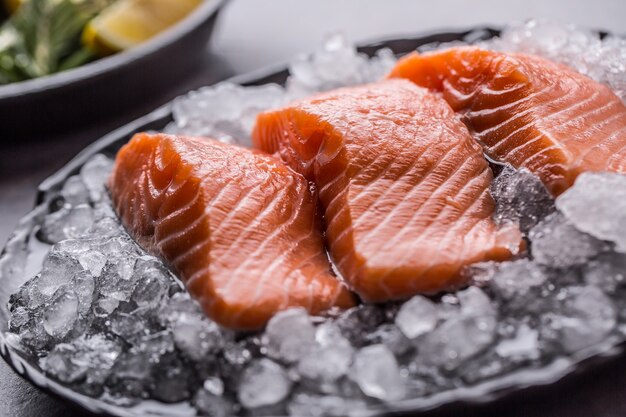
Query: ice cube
[[376, 372], [356, 322], [58, 270], [417, 316], [607, 271], [74, 191], [67, 223], [211, 404], [105, 306], [197, 337], [335, 64], [59, 364], [106, 227], [172, 380], [588, 318], [89, 357], [93, 261], [263, 383], [559, 244], [116, 280], [474, 302], [289, 335], [129, 327], [328, 360], [131, 374], [392, 337], [19, 317], [84, 286], [152, 283], [156, 344], [226, 111], [596, 205], [457, 340], [237, 354], [524, 345], [61, 315], [94, 174], [517, 280], [521, 198]]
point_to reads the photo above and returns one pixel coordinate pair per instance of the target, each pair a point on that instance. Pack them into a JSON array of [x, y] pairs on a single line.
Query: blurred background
[[252, 34]]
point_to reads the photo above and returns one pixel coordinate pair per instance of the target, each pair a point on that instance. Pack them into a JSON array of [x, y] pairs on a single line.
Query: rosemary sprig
[[43, 37]]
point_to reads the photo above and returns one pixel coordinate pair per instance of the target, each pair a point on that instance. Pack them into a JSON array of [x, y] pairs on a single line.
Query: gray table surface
[[255, 33]]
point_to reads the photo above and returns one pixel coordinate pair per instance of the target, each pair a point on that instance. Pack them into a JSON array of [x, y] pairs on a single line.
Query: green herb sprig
[[43, 37]]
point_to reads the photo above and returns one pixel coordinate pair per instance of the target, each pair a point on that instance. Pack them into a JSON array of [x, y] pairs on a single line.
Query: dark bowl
[[519, 387], [108, 86]]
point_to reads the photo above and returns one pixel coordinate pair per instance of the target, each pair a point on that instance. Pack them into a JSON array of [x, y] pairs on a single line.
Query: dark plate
[[517, 386], [84, 94]]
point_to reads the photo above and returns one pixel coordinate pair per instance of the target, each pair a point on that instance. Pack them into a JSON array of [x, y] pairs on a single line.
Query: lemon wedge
[[128, 23]]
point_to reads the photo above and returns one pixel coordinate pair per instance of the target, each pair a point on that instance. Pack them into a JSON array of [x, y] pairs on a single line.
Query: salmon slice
[[238, 226], [403, 186], [528, 111]]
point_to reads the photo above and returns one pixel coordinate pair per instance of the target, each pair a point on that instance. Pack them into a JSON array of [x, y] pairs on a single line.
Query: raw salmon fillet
[[403, 186], [528, 111], [238, 226]]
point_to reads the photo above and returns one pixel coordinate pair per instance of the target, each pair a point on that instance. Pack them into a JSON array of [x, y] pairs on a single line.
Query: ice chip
[[93, 261], [213, 385], [129, 327], [19, 317], [157, 344], [58, 269], [226, 111], [607, 271], [211, 404], [67, 223], [59, 364], [417, 316], [87, 357], [457, 340], [116, 280], [84, 286], [289, 335], [559, 244], [356, 322], [327, 361], [94, 174], [336, 64], [596, 205], [376, 372], [474, 302], [105, 306], [524, 345], [588, 318], [521, 198], [392, 337], [152, 283], [197, 337], [74, 191], [172, 381], [177, 305], [514, 280], [61, 315], [263, 383], [106, 227]]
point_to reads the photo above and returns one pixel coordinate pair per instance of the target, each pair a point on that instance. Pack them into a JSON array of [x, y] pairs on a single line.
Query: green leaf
[[43, 37]]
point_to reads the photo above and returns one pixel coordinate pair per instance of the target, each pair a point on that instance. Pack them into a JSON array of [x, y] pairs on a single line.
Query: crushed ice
[[111, 321]]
